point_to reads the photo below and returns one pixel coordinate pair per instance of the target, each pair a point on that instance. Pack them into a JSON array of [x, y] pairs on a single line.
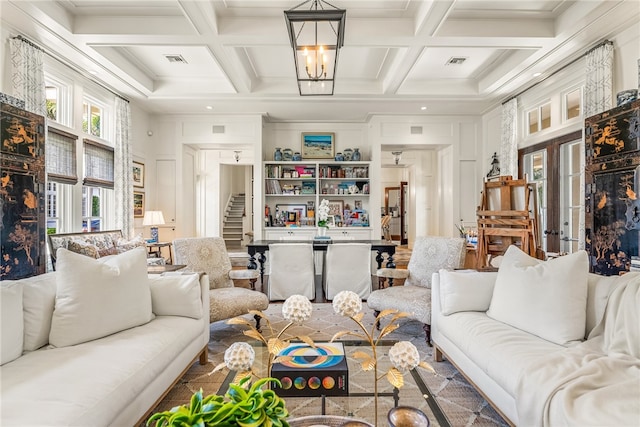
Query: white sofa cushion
[[176, 295], [95, 299], [92, 383], [465, 290], [12, 325], [544, 298], [496, 349], [39, 298]]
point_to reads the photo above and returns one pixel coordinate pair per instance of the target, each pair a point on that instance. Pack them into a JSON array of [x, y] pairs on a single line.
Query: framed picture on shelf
[[331, 221], [138, 174], [357, 204], [138, 204], [318, 145], [336, 207]]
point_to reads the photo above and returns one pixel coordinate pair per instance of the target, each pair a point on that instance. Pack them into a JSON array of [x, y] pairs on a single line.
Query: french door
[[554, 166]]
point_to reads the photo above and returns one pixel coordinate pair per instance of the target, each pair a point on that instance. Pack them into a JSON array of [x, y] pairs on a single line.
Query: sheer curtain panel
[[123, 184], [27, 76], [508, 141]]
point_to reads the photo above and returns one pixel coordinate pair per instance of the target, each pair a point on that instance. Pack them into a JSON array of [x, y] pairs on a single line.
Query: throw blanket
[[597, 382]]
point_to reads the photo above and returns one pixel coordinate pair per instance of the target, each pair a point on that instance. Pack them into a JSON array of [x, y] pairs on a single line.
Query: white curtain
[[598, 97], [27, 75], [508, 141], [123, 168]]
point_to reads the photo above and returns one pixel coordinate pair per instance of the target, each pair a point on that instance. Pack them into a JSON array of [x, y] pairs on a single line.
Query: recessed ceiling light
[[423, 108], [536, 74], [209, 107]]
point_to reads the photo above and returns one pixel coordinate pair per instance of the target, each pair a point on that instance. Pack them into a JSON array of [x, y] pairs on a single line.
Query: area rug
[[462, 405]]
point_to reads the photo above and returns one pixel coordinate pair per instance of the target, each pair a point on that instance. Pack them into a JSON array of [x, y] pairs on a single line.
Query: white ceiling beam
[[402, 64]]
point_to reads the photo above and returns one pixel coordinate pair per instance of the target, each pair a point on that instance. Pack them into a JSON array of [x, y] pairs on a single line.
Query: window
[[53, 220], [52, 102], [61, 156], [539, 118], [98, 164], [573, 104], [93, 208], [97, 185], [92, 118], [58, 100]]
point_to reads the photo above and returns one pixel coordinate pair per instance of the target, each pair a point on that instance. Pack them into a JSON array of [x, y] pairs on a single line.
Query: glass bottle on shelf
[[356, 156], [277, 155]]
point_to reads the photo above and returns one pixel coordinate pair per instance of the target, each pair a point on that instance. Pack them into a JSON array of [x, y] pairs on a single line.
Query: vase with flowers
[[323, 217], [404, 356]]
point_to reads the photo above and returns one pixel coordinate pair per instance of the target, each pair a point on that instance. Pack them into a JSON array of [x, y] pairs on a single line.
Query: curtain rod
[[35, 46], [602, 43]]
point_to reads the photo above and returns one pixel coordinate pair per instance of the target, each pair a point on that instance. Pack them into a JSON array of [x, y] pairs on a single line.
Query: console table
[[261, 246]]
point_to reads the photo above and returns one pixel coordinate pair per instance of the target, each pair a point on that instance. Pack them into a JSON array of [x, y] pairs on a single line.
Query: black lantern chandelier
[[316, 36]]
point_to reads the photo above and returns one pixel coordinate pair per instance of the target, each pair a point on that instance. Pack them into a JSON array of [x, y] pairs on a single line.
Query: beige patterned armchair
[[209, 255], [429, 255]]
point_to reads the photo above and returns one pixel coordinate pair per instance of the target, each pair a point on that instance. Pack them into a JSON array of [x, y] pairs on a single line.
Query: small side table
[[155, 250]]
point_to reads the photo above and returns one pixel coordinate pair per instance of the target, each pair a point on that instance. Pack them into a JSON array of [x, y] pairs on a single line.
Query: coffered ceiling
[[180, 56]]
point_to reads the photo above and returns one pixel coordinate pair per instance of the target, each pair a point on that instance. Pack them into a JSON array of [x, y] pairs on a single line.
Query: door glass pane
[[535, 168], [570, 199], [576, 155]]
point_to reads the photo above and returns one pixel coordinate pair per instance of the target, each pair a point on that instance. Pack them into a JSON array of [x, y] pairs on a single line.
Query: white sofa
[[529, 378], [113, 380]]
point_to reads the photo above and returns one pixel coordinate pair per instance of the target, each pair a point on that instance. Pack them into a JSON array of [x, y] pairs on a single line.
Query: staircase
[[232, 226]]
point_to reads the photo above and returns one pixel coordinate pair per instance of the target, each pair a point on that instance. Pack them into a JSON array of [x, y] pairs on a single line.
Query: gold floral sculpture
[[240, 355], [403, 355]]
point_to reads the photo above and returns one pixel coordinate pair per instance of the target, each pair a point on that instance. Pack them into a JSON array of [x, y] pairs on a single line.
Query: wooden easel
[[508, 214]]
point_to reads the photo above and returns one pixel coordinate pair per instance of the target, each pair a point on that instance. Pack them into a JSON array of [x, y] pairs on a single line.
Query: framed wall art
[[138, 174], [318, 145], [138, 204]]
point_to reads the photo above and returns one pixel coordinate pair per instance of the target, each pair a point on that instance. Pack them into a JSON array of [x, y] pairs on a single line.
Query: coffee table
[[360, 402]]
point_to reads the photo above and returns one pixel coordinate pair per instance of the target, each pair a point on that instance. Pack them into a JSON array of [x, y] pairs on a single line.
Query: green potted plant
[[252, 407]]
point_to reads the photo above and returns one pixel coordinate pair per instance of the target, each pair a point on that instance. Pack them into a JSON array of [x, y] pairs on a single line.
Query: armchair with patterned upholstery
[[209, 255], [429, 254]]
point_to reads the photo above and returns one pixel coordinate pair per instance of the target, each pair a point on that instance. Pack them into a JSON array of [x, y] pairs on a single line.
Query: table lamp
[[153, 218]]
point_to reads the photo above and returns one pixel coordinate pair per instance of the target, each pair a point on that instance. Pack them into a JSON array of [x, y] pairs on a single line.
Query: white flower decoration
[[323, 213], [347, 303], [404, 356], [239, 356], [297, 309]]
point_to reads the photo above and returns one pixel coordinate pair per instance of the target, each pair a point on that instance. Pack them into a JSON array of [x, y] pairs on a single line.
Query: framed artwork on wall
[[138, 174], [138, 204], [318, 145]]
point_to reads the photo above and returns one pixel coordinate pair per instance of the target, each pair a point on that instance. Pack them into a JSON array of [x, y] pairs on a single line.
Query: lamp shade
[[153, 218]]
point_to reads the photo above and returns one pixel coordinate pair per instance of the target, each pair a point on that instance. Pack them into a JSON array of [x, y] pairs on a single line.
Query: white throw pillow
[[39, 300], [11, 321], [95, 299], [176, 296], [465, 290], [544, 298]]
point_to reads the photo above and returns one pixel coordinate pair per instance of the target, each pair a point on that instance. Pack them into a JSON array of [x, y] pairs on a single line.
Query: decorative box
[[308, 372]]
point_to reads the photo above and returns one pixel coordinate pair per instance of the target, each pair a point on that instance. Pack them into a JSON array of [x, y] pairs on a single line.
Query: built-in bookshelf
[[293, 190]]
